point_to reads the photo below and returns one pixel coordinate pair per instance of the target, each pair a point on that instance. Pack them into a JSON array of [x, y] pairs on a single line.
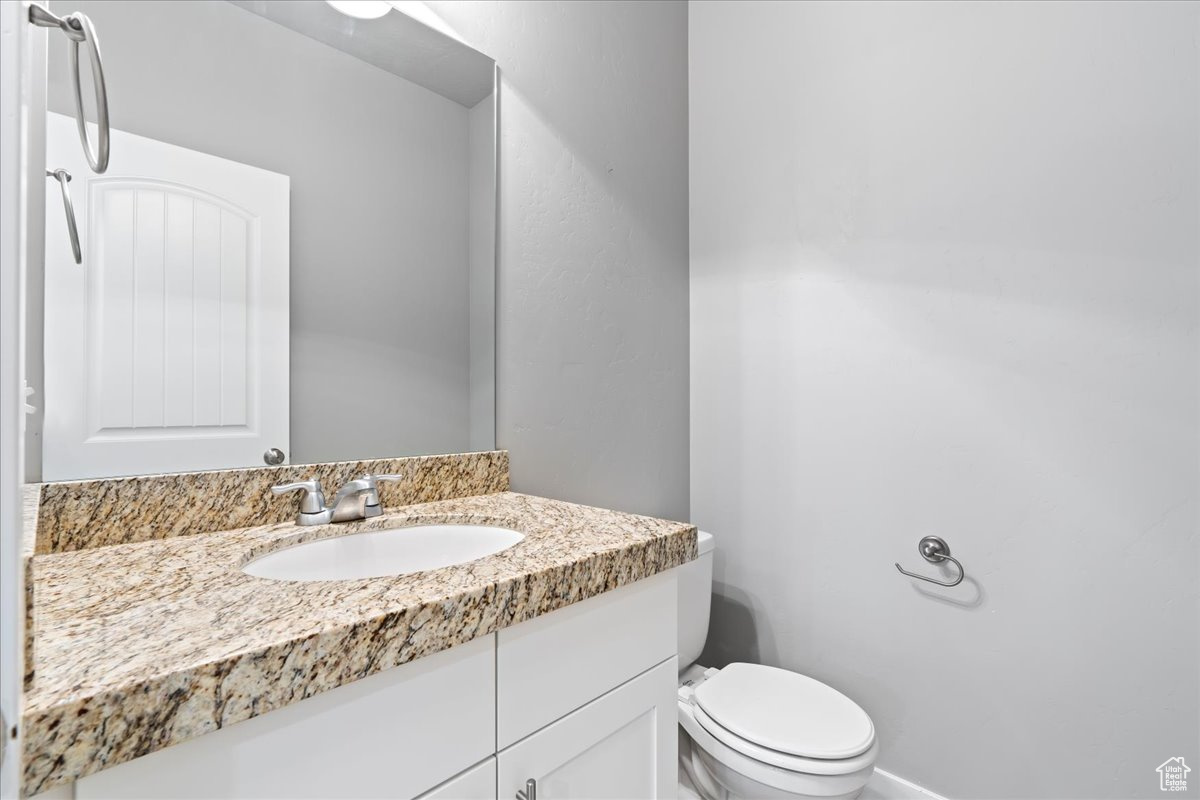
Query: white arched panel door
[[167, 349]]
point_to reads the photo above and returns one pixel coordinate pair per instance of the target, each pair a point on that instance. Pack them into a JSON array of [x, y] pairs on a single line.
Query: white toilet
[[753, 731]]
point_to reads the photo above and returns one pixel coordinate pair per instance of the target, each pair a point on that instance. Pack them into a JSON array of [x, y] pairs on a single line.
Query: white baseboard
[[882, 786], [886, 786]]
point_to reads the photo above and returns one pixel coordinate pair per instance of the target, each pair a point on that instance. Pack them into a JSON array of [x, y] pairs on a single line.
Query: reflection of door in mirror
[[383, 300], [167, 349]]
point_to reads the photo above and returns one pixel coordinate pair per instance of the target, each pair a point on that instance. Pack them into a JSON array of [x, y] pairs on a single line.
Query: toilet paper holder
[[935, 550]]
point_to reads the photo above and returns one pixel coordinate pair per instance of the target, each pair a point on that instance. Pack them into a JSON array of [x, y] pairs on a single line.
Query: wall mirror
[[290, 256]]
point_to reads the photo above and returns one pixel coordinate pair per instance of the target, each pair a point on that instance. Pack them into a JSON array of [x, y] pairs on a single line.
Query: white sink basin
[[375, 554]]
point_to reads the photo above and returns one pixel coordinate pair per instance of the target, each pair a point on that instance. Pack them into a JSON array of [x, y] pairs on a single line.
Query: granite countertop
[[143, 645]]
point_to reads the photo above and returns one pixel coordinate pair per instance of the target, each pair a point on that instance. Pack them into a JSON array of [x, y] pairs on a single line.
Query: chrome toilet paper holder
[[935, 550]]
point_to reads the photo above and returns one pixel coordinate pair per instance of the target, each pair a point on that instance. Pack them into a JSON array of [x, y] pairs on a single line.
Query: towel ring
[[62, 176], [935, 550], [78, 28]]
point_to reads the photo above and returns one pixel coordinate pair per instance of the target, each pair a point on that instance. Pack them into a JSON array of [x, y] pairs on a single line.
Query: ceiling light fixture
[[362, 9]]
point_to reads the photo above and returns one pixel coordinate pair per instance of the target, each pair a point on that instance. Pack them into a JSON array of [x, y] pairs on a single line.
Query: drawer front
[[394, 734], [622, 745], [550, 666]]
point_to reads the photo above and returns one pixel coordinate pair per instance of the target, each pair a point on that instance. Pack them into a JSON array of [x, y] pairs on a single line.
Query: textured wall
[[944, 280], [592, 336]]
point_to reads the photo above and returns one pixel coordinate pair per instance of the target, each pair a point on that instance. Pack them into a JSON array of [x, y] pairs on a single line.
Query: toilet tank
[[695, 599]]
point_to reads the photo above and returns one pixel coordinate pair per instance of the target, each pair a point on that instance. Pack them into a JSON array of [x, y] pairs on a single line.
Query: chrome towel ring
[[935, 550], [62, 176], [78, 28]]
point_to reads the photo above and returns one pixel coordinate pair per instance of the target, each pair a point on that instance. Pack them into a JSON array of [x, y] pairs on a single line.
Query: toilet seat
[[784, 761], [830, 779], [756, 709], [796, 713]]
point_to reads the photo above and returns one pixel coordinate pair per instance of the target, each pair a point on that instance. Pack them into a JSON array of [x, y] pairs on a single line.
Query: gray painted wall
[[944, 280], [379, 244], [482, 304], [592, 282]]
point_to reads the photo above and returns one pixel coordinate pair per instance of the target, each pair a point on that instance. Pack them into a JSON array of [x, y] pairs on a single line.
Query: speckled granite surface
[[76, 515], [143, 645], [29, 515]]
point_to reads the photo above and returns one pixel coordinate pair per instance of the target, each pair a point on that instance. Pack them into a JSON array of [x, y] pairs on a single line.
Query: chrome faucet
[[358, 499]]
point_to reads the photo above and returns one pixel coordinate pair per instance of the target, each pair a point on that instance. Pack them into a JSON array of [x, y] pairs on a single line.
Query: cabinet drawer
[[550, 666], [394, 734], [621, 745]]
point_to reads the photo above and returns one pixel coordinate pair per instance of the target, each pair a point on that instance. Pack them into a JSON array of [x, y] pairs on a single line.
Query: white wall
[[379, 214], [944, 280], [592, 278]]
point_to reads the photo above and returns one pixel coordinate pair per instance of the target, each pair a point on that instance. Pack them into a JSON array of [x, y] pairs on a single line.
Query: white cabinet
[[393, 734], [582, 700], [550, 666], [477, 783], [621, 745]]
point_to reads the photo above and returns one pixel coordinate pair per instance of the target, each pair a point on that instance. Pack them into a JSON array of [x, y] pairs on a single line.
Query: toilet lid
[[786, 711]]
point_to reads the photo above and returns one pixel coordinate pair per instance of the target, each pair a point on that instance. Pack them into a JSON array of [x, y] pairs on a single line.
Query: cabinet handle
[[529, 792]]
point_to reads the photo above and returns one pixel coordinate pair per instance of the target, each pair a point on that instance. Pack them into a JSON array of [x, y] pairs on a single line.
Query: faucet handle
[[373, 500], [312, 504], [378, 478], [313, 500]]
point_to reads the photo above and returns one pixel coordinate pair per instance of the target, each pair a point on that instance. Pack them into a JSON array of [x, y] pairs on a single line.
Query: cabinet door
[[621, 745]]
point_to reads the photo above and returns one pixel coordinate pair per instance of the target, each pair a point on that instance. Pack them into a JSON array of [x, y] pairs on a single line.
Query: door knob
[[273, 457]]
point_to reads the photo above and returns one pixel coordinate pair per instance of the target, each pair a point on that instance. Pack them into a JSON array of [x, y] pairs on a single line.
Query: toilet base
[[712, 780]]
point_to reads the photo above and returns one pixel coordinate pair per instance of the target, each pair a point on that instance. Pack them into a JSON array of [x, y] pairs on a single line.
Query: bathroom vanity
[[161, 668], [579, 699]]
